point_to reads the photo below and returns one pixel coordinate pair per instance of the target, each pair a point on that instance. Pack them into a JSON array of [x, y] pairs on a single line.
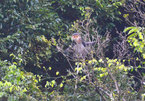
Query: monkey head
[[76, 37]]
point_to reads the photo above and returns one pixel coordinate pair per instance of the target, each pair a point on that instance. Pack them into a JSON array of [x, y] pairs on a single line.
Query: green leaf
[[1, 94], [133, 30], [50, 68], [61, 85], [136, 43], [132, 35], [140, 36], [11, 88], [57, 73], [101, 75], [128, 28]]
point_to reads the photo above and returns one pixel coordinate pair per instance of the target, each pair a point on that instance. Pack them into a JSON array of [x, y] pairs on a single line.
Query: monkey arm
[[68, 50], [89, 43]]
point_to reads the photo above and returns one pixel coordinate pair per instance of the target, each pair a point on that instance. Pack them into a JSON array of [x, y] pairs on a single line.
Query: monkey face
[[76, 37]]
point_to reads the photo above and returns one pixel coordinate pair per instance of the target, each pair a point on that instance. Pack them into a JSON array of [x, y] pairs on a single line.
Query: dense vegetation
[[35, 33]]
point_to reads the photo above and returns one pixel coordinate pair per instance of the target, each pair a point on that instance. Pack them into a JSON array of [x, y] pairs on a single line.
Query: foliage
[[136, 30], [136, 39], [35, 33], [106, 12], [16, 84], [96, 79], [23, 23]]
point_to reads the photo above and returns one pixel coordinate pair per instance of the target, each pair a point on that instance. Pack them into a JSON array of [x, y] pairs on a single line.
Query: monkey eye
[[75, 36]]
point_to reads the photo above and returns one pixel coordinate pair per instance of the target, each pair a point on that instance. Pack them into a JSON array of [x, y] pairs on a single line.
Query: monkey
[[79, 49]]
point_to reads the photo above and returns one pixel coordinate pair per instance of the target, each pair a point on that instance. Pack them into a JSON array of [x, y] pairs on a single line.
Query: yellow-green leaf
[[50, 68], [57, 73], [61, 85]]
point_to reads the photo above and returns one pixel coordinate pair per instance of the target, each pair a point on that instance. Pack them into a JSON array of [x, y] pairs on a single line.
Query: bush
[[16, 84]]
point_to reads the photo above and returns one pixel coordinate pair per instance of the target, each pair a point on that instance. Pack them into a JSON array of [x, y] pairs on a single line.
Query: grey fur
[[79, 50]]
